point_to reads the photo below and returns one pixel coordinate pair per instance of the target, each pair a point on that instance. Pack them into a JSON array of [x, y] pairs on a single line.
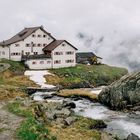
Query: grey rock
[[51, 116], [63, 113], [70, 120], [69, 105], [47, 96], [122, 94], [132, 137]]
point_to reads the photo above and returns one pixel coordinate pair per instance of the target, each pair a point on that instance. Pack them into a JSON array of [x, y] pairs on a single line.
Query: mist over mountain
[[124, 52], [110, 28]]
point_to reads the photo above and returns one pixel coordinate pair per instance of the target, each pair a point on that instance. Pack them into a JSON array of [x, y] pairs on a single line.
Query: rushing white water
[[38, 77], [118, 123]]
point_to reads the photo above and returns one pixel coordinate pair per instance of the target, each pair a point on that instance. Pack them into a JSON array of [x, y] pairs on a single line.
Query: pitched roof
[[22, 35], [86, 55], [56, 43]]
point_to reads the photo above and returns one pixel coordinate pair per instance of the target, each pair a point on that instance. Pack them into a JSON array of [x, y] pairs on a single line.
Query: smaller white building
[[38, 49]]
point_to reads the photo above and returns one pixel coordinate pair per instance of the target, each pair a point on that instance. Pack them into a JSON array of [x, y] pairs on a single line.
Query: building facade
[[38, 49]]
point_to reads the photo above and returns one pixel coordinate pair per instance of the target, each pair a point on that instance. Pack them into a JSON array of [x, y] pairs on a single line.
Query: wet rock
[[70, 120], [47, 96], [69, 105], [76, 98], [132, 137], [122, 94], [98, 125]]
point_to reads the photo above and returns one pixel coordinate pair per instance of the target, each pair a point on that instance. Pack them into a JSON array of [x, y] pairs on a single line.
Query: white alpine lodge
[[38, 49]]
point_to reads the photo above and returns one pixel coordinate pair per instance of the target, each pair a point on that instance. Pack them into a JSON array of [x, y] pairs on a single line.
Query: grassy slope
[[96, 75], [12, 81], [31, 130]]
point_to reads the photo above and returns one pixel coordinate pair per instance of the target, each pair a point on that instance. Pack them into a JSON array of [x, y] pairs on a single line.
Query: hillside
[[12, 80], [85, 76]]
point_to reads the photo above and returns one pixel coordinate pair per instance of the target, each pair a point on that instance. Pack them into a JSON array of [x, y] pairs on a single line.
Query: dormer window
[[39, 35], [27, 45], [33, 35], [63, 45], [44, 36], [17, 45]]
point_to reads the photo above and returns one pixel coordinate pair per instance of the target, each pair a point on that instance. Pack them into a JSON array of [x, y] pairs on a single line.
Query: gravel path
[[8, 123]]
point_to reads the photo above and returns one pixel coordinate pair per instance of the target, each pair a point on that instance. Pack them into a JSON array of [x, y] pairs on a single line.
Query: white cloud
[[116, 20]]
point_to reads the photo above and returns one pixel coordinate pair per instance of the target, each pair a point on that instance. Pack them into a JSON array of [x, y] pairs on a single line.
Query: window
[[33, 45], [34, 62], [27, 45], [57, 61], [48, 62], [69, 61], [44, 36], [17, 45], [69, 53], [16, 53], [39, 35], [33, 35], [58, 53], [39, 45], [27, 53], [44, 45], [63, 45], [3, 53], [41, 62], [35, 53]]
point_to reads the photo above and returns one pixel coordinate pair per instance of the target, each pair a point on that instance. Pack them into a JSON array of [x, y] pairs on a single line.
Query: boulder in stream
[[132, 137], [122, 94]]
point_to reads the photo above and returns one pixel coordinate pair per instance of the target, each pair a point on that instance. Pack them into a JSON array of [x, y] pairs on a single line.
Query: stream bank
[[118, 123]]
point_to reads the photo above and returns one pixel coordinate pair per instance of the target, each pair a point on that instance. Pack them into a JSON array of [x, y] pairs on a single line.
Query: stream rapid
[[118, 123]]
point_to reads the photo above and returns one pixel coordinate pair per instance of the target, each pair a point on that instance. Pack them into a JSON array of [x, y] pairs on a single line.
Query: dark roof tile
[[56, 43], [22, 35]]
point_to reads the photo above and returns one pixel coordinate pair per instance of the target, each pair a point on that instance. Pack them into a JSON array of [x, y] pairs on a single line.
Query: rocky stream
[[118, 123]]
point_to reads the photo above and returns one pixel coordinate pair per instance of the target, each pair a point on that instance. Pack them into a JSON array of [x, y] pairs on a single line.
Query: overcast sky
[[111, 28]]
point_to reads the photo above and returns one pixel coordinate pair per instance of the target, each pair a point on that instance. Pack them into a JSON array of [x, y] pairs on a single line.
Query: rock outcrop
[[132, 137], [123, 94]]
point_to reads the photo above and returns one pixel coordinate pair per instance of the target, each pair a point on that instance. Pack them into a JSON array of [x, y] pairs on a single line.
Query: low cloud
[[110, 28]]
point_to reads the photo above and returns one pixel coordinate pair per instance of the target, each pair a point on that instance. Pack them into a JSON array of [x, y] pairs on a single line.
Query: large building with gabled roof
[[38, 49]]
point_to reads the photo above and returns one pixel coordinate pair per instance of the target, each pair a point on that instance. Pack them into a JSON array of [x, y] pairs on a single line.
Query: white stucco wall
[[4, 52], [29, 40], [38, 63], [64, 56]]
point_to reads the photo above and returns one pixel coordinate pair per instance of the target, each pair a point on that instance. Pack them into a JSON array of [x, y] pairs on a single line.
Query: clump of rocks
[[60, 114]]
